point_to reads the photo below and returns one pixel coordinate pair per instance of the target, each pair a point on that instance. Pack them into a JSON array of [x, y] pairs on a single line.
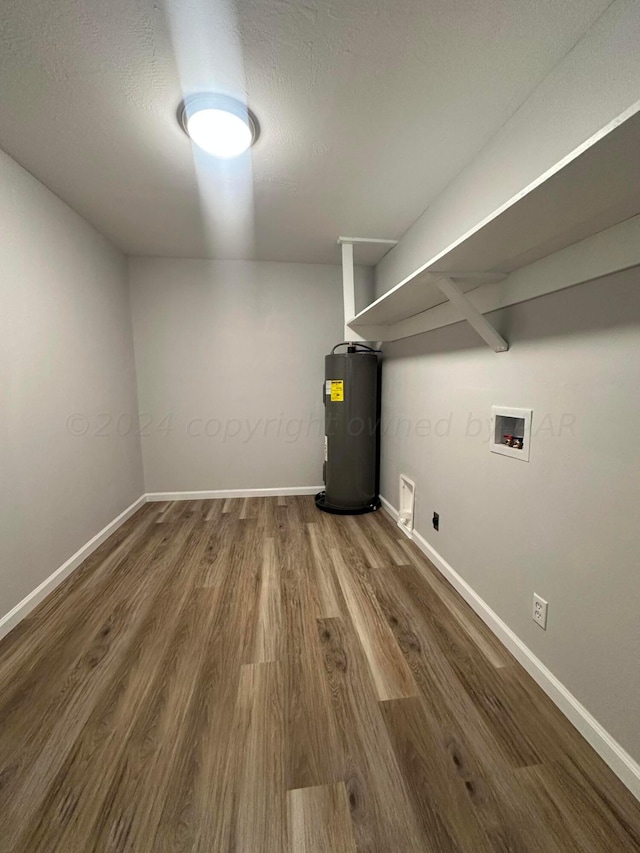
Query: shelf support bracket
[[471, 314], [348, 280], [348, 291]]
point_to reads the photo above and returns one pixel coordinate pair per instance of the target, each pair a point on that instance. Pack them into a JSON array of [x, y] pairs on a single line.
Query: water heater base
[[321, 503]]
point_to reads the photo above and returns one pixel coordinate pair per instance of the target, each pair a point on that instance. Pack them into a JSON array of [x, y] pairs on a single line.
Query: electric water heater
[[351, 394]]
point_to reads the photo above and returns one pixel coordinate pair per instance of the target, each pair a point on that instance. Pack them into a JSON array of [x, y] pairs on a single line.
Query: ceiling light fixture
[[220, 125]]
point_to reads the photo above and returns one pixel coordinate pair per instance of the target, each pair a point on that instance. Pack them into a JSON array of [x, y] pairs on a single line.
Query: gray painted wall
[[65, 349], [230, 369], [566, 524]]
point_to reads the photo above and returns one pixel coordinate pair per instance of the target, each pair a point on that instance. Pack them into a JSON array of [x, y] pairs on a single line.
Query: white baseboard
[[233, 493], [623, 765], [24, 607]]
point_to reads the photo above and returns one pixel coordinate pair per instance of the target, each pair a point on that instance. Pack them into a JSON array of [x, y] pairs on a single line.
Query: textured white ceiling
[[368, 109]]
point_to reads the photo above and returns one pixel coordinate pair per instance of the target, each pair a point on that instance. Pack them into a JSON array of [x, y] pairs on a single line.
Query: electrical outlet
[[539, 614], [436, 521]]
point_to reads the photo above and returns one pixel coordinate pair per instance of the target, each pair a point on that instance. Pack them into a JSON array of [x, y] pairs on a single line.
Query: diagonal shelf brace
[[471, 314]]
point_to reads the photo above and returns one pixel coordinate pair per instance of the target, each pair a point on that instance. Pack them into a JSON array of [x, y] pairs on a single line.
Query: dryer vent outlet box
[[511, 432], [406, 504]]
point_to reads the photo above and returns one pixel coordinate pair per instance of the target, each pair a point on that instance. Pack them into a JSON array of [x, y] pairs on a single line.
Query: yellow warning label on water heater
[[337, 390]]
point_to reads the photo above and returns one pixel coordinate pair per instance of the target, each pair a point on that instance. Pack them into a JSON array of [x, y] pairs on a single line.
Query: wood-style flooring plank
[[389, 670], [217, 555], [269, 632], [199, 811], [368, 547], [213, 509], [270, 516], [172, 513], [379, 800], [488, 644], [454, 799], [232, 506], [386, 535], [307, 512], [195, 509], [329, 532], [320, 820], [168, 814], [313, 749], [576, 817], [260, 807], [322, 562], [250, 507]]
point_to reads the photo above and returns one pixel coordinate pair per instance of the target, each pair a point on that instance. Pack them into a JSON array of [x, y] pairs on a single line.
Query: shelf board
[[595, 187]]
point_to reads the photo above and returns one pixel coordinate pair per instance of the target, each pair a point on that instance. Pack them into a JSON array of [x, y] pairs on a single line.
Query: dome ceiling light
[[219, 124]]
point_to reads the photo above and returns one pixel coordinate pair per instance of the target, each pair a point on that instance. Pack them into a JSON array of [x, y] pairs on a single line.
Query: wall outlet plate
[[539, 614]]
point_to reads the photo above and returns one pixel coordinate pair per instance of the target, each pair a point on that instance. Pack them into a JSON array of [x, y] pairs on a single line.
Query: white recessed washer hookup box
[[511, 432]]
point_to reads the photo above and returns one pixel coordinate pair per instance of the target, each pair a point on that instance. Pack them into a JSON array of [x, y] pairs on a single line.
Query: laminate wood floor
[[258, 677]]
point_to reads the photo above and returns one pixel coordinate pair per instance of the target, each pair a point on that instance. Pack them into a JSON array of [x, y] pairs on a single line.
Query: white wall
[[65, 349], [566, 524], [230, 363], [596, 82]]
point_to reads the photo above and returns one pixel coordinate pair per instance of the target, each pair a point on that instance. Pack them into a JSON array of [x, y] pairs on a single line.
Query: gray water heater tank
[[351, 394]]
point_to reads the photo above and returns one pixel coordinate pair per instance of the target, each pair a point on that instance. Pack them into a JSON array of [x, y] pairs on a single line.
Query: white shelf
[[594, 188]]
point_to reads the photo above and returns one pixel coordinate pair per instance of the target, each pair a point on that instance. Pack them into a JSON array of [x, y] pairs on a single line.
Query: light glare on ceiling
[[221, 126]]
